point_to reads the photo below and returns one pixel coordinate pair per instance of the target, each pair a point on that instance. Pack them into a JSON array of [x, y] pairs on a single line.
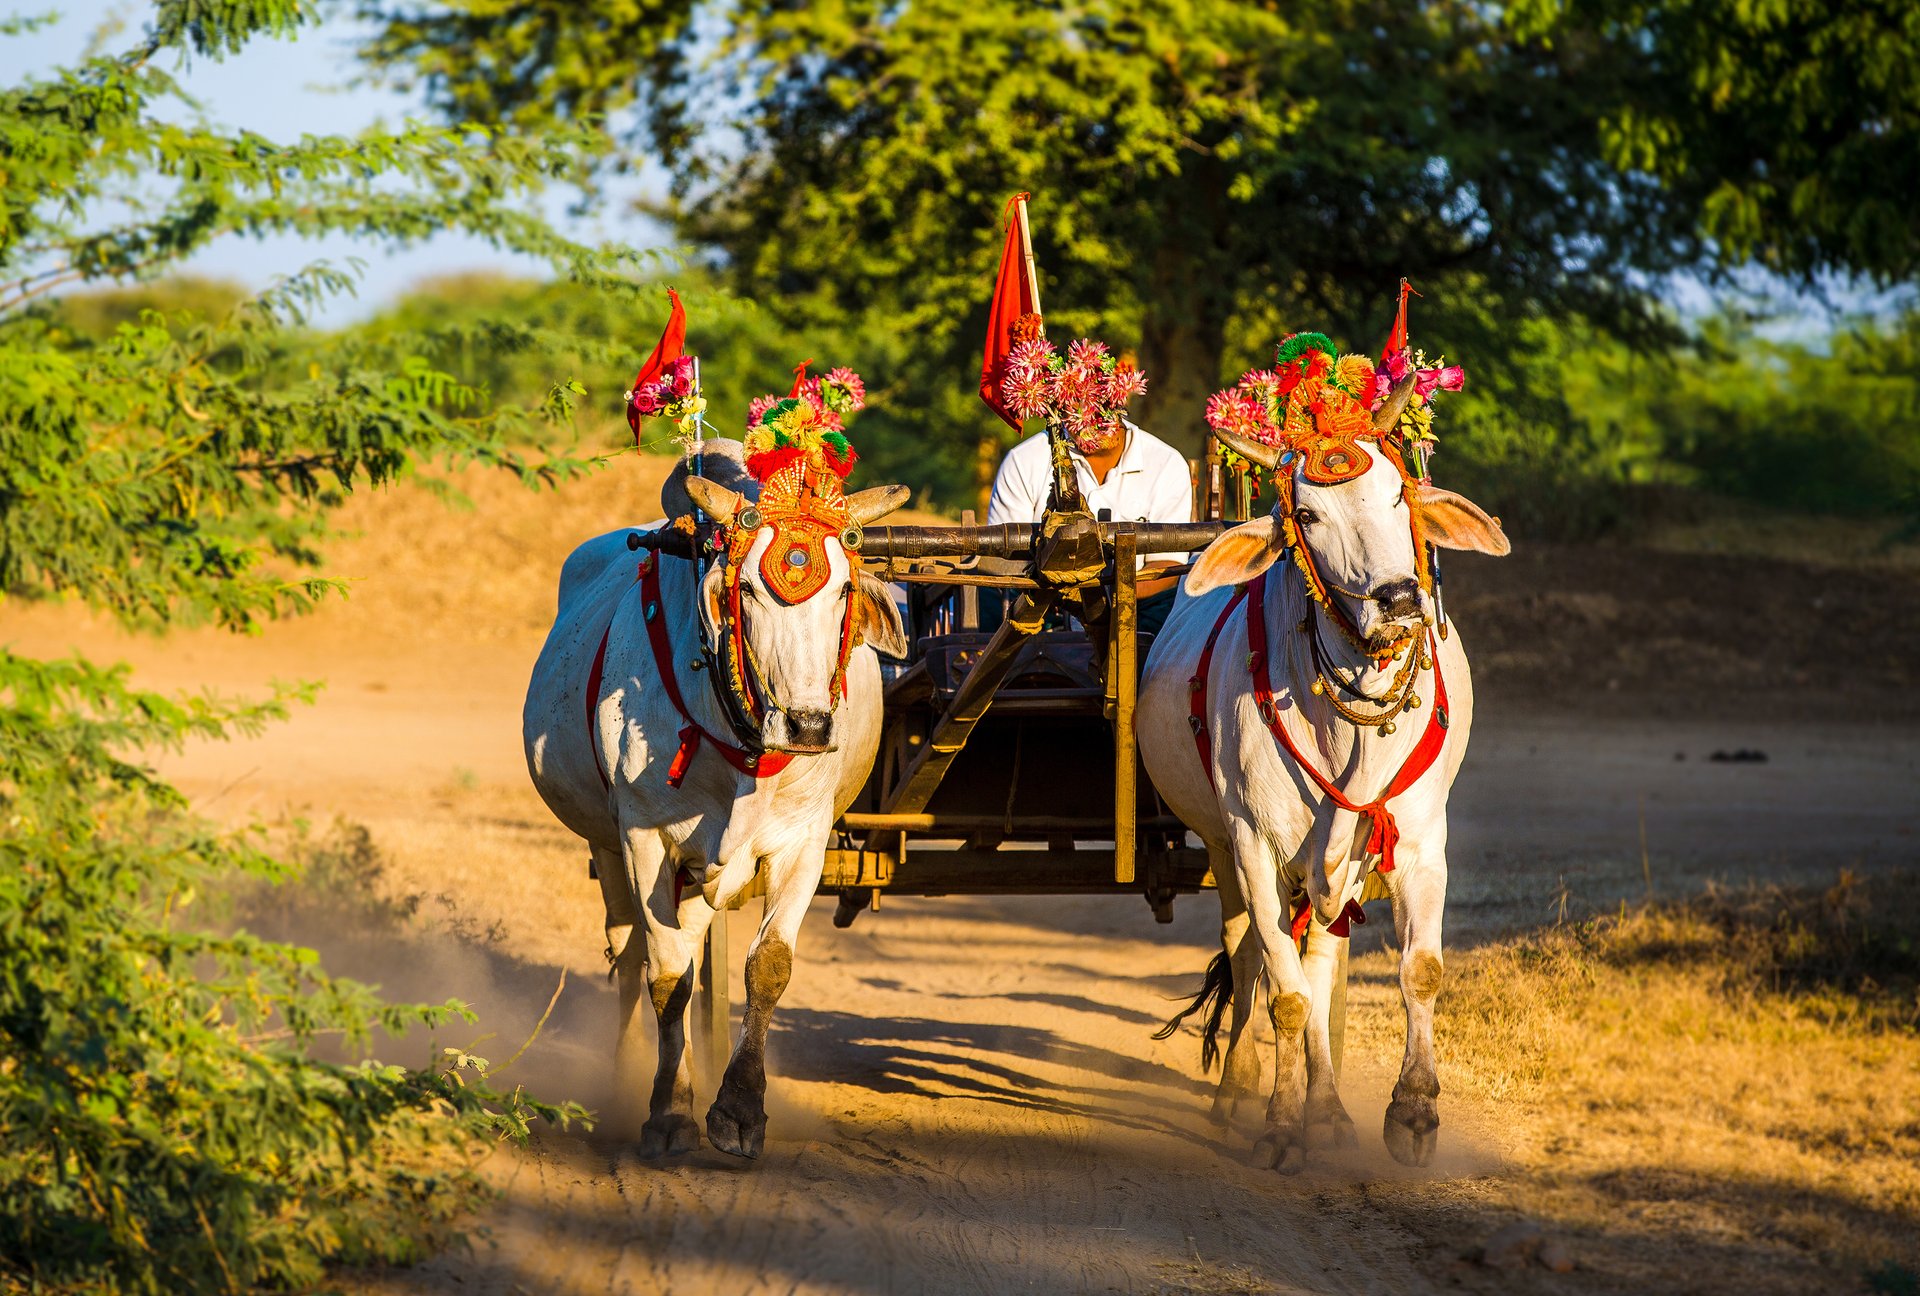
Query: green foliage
[[1212, 174], [170, 453], [1562, 445], [1833, 433], [162, 1127], [1786, 132]]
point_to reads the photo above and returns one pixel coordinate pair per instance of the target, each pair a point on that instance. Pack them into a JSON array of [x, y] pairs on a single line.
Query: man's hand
[[1146, 584]]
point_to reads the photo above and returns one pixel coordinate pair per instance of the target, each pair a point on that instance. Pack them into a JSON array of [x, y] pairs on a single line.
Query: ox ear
[[1238, 556], [876, 619], [876, 502], [717, 502], [1456, 522]]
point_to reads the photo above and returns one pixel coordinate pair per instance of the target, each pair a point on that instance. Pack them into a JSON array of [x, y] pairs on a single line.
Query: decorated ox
[[1305, 716], [700, 720]]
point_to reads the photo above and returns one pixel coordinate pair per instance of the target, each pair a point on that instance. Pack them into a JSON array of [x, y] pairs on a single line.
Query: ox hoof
[[1281, 1152], [734, 1135], [668, 1135], [1411, 1133], [1332, 1131]]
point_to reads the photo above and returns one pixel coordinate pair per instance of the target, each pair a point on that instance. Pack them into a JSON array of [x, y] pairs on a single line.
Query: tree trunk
[[1189, 298], [1181, 354]]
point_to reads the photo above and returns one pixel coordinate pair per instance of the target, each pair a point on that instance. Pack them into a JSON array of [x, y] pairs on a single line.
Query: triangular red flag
[[1397, 340], [1013, 297], [671, 343]]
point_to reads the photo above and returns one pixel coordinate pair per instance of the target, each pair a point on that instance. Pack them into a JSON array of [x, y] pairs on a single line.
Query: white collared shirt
[[1149, 484]]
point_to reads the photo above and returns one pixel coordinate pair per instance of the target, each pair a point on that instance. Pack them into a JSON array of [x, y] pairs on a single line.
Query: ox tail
[[1216, 990]]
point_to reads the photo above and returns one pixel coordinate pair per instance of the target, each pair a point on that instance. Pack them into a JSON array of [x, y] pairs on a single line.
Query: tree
[[1210, 173], [164, 1125]]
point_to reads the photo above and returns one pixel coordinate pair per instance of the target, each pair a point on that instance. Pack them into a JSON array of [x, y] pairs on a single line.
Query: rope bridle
[[1408, 645], [739, 681]]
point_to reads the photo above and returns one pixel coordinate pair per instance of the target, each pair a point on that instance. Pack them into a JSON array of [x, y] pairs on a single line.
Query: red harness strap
[[1197, 686], [1384, 833], [1203, 740], [761, 765]]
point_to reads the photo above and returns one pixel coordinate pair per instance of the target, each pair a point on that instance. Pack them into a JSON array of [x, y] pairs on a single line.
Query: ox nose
[[1398, 599], [809, 729]]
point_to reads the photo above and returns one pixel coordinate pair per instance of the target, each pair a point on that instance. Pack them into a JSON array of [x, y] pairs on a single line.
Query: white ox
[[669, 857], [1270, 830]]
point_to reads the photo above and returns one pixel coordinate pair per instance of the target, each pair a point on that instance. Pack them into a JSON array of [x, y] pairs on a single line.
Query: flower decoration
[[1085, 391], [675, 394], [1415, 427], [805, 423], [1314, 401]]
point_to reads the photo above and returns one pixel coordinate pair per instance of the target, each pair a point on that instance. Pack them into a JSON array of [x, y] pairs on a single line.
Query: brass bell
[[1413, 701], [1318, 687], [1386, 728]]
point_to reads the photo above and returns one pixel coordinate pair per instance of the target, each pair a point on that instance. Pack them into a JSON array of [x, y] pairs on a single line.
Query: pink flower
[[1241, 412], [1394, 365], [760, 405], [853, 389], [1451, 378], [1125, 384], [1026, 392], [1085, 353]]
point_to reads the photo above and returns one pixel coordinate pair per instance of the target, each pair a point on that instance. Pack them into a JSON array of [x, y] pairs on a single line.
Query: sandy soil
[[965, 1093]]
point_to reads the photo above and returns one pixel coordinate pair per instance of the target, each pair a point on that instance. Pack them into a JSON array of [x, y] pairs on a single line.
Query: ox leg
[[1240, 1072], [627, 960], [737, 1121], [1412, 1126], [674, 934], [1328, 1124], [1283, 1145]]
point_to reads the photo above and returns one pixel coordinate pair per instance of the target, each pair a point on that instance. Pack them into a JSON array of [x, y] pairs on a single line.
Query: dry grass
[[1737, 1075]]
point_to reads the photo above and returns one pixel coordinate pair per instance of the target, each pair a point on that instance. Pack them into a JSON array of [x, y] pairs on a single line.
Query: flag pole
[[1026, 248]]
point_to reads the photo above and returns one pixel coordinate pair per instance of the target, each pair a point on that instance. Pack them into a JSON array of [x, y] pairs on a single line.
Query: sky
[[283, 89]]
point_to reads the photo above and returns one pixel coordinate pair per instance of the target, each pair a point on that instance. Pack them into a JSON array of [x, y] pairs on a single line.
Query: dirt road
[[965, 1094]]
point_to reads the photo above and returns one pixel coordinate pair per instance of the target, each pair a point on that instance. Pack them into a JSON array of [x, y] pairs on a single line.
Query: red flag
[[1015, 297], [663, 355], [1397, 340]]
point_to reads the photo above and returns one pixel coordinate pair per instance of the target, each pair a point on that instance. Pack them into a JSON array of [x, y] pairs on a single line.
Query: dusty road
[[965, 1094]]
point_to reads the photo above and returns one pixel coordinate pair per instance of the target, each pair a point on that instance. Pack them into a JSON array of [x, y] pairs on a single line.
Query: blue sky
[[284, 89]]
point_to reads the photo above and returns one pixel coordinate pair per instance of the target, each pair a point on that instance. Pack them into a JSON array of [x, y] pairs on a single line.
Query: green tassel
[[1299, 344]]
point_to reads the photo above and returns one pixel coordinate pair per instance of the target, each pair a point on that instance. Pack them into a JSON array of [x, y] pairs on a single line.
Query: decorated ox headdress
[[1328, 415], [798, 450], [1314, 405]]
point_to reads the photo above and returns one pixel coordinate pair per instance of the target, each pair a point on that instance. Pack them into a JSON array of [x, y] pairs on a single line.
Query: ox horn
[[716, 501], [875, 502], [1267, 456], [1396, 403]]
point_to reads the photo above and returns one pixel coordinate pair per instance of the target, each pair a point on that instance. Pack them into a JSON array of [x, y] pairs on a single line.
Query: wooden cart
[[953, 805]]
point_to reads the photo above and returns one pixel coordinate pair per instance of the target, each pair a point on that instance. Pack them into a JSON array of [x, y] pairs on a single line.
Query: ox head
[[1359, 520], [787, 603]]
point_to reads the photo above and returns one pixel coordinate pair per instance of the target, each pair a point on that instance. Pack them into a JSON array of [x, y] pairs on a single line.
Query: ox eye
[[1305, 517]]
